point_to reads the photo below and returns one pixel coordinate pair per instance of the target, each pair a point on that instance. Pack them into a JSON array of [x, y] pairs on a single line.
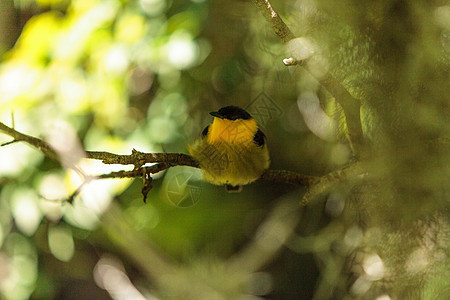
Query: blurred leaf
[[60, 242]]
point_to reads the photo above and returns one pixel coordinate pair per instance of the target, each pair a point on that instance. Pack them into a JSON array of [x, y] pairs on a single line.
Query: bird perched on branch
[[232, 150]]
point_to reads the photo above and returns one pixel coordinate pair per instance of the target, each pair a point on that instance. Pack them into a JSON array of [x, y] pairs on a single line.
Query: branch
[[20, 137], [136, 158], [331, 179], [350, 105], [139, 159], [162, 162], [270, 236], [280, 28], [136, 245], [284, 176]]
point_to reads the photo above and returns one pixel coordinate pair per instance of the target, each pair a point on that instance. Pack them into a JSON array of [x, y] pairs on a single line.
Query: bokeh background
[[113, 75]]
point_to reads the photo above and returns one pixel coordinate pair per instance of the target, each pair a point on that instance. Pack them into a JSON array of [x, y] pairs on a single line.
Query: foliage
[[112, 75]]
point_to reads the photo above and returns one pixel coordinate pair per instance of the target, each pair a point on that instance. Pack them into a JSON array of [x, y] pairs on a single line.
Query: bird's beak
[[216, 114]]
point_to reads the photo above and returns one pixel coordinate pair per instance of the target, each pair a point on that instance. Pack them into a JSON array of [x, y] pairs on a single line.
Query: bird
[[232, 150]]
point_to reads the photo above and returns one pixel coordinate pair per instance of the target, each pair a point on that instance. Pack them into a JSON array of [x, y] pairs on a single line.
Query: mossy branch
[[162, 161], [271, 16], [350, 105], [329, 180]]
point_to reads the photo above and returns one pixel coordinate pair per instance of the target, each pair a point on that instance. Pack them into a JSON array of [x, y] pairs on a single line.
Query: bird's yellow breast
[[232, 131], [228, 153]]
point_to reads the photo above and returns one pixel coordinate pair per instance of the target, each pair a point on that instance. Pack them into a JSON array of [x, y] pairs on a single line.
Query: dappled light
[[102, 196], [315, 118], [109, 275]]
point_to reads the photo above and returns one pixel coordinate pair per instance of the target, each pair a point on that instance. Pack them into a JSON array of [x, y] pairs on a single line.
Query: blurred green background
[[113, 75]]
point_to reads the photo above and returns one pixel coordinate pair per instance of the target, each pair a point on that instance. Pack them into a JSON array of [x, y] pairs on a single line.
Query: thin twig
[[9, 143], [76, 192], [38, 143], [13, 122], [293, 62]]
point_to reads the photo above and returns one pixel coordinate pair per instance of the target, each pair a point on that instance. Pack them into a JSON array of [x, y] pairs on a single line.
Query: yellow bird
[[232, 150]]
